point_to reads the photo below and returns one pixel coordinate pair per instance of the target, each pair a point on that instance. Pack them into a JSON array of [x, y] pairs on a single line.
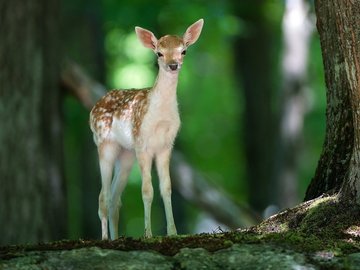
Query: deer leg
[[162, 165], [107, 154], [122, 171], [145, 161]]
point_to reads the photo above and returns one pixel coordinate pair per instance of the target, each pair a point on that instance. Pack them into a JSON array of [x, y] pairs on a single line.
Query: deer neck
[[165, 85]]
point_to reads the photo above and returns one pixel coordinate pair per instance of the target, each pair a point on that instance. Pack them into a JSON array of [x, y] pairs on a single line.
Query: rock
[[238, 256], [89, 258], [243, 257]]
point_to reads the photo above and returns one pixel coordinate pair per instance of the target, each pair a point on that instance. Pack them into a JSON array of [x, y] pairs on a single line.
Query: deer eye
[[183, 52], [159, 54]]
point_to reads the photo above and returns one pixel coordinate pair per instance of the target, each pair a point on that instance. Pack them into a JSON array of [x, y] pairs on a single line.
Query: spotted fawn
[[140, 123]]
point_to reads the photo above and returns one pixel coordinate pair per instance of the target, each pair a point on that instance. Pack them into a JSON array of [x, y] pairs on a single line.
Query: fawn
[[140, 123]]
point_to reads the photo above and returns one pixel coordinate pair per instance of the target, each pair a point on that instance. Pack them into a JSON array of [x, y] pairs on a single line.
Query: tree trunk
[[338, 23], [254, 60], [297, 30], [83, 39], [31, 193]]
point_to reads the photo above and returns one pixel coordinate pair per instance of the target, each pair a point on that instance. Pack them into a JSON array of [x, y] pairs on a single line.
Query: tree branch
[[188, 182], [196, 189], [80, 85]]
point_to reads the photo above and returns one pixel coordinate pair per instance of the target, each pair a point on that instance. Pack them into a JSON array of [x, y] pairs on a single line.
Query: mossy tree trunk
[[31, 192], [338, 23]]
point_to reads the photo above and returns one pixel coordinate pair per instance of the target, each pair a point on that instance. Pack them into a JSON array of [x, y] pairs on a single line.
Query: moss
[[321, 224], [314, 226]]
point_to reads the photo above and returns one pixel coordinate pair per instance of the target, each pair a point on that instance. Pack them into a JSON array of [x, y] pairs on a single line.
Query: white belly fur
[[153, 137], [122, 133]]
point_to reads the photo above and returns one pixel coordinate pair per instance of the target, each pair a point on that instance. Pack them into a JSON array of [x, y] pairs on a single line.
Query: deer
[[140, 124]]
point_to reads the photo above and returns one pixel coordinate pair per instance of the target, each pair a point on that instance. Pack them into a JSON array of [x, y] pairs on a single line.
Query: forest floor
[[318, 234]]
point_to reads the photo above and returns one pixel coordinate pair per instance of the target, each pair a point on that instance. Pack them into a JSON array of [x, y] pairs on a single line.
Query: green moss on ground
[[323, 223], [320, 225]]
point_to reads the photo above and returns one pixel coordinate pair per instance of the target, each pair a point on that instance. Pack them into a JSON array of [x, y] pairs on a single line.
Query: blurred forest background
[[251, 97]]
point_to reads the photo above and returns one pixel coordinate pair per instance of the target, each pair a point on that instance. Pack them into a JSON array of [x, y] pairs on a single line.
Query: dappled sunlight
[[353, 231], [129, 62], [132, 76], [135, 51]]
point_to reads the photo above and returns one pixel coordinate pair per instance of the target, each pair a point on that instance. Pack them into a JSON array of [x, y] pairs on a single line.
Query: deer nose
[[173, 67]]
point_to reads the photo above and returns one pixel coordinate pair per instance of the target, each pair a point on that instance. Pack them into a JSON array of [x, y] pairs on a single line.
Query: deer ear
[[146, 37], [193, 32]]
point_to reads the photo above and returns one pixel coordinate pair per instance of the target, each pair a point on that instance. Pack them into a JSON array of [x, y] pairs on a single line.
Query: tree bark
[[31, 193], [338, 23], [83, 37]]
